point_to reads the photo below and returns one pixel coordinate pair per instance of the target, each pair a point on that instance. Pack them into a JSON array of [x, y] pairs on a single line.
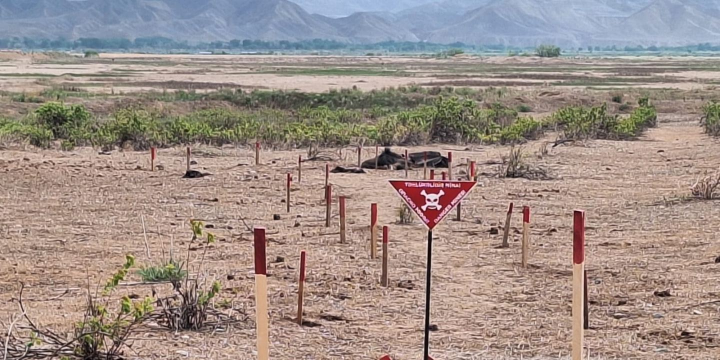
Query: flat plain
[[69, 217]]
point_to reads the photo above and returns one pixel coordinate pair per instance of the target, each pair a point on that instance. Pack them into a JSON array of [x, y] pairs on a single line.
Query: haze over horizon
[[523, 23]]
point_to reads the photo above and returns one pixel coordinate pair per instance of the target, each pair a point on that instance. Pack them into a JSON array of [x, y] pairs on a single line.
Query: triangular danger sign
[[432, 200]]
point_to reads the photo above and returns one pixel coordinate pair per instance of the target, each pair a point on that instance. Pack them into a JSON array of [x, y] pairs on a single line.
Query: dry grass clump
[[404, 214], [705, 187], [515, 166]]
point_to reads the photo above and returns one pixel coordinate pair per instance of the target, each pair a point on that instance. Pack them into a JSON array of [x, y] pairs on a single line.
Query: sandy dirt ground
[[144, 72], [68, 218]]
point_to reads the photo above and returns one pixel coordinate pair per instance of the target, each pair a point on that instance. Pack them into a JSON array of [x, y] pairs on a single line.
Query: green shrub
[[92, 54], [524, 128], [66, 122], [711, 118], [617, 98], [171, 271], [23, 132], [522, 108], [548, 51]]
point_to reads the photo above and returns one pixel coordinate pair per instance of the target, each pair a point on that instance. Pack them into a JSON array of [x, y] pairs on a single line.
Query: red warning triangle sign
[[432, 200]]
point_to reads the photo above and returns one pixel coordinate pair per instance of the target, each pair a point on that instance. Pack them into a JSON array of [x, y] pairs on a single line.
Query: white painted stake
[[261, 306], [578, 284]]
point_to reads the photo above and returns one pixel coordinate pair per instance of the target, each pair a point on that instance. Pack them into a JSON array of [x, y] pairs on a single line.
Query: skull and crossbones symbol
[[431, 200]]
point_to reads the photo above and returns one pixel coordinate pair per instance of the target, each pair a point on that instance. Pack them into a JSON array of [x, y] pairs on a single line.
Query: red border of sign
[[474, 183]]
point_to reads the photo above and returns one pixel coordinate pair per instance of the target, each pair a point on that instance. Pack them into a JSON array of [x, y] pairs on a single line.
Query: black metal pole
[[427, 297]]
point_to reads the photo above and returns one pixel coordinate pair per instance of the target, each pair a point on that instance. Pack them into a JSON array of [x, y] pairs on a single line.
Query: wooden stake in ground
[[526, 236], [328, 206], [299, 168], [406, 164], [301, 288], [261, 309], [188, 158], [444, 176], [327, 178], [432, 174], [458, 217], [153, 154], [425, 175], [342, 219], [359, 149], [373, 230], [385, 240], [506, 234], [287, 200], [257, 153], [472, 171], [578, 284], [450, 165]]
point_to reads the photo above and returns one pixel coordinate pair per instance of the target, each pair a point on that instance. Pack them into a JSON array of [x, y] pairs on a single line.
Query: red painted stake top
[[432, 174], [373, 214], [444, 176], [302, 266], [425, 155], [579, 237], [260, 265], [153, 153], [526, 214], [342, 206], [299, 159], [510, 208], [450, 156], [472, 170], [386, 237], [257, 145], [289, 180], [327, 171]]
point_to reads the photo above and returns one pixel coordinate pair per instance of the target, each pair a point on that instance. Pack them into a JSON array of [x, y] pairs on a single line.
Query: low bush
[[710, 120]]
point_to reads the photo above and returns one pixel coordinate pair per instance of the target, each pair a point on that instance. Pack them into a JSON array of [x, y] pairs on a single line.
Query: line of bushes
[[449, 120]]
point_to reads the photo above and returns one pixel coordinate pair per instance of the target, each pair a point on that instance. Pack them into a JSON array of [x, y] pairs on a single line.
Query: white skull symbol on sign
[[431, 200]]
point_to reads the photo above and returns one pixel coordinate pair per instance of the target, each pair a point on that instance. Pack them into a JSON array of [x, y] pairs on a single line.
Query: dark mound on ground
[[347, 170], [194, 174], [389, 160]]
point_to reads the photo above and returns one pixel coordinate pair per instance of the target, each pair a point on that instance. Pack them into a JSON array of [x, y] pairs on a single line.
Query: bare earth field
[[69, 218]]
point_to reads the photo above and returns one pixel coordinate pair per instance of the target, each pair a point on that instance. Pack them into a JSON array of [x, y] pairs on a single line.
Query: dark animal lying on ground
[[389, 160], [347, 170], [194, 174]]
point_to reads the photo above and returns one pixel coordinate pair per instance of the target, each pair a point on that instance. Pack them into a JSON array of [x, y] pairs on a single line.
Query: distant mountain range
[[567, 23]]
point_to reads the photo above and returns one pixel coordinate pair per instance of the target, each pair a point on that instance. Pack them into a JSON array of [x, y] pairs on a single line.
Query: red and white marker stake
[[386, 239], [373, 230], [472, 171], [328, 204], [289, 184], [359, 151], [425, 174], [299, 168], [153, 155], [444, 176], [301, 288], [188, 158], [261, 306], [526, 236], [342, 219], [432, 174], [450, 165], [257, 153], [506, 234], [578, 284], [406, 164]]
